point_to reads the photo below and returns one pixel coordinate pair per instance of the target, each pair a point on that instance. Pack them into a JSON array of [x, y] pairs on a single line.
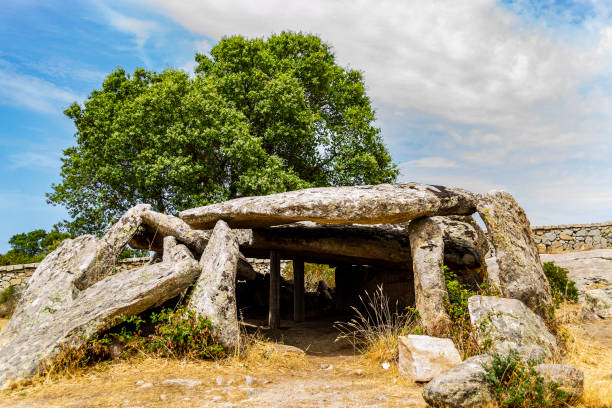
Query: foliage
[[376, 326], [516, 384], [176, 333], [313, 273], [260, 116], [461, 331], [563, 288], [7, 294], [31, 247]]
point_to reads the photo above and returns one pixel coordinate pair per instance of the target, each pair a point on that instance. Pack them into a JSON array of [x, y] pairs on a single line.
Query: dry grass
[[595, 359], [583, 350], [375, 329]]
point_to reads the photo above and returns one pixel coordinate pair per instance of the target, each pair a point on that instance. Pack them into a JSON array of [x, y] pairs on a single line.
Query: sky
[[479, 94]]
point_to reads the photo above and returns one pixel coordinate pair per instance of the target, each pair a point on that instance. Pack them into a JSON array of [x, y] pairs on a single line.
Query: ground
[[331, 374]]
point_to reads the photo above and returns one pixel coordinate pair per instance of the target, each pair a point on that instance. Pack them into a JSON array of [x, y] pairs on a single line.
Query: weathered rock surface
[[520, 271], [597, 302], [421, 358], [569, 378], [462, 386], [427, 249], [214, 294], [90, 312], [465, 243], [510, 325], [158, 226], [71, 268], [383, 203], [587, 268]]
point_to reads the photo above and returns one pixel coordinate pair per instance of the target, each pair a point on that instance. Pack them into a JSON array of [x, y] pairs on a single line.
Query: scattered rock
[[285, 348], [569, 378], [182, 382], [385, 365], [422, 358], [427, 247], [510, 325], [214, 294], [520, 271], [598, 302], [462, 386], [248, 380], [383, 203], [219, 381]]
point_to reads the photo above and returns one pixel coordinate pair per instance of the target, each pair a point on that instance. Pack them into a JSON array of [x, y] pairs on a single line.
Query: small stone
[[253, 391], [326, 367], [598, 302], [248, 380], [462, 386], [162, 397], [566, 237], [146, 385], [381, 398], [422, 358], [219, 381], [182, 382], [386, 365]]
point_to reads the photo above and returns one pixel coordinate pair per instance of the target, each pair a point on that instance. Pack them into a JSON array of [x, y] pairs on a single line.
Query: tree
[[260, 116], [32, 246]]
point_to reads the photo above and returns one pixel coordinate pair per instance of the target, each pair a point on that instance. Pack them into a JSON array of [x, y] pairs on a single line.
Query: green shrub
[[562, 287], [7, 293], [516, 384], [313, 273], [176, 333]]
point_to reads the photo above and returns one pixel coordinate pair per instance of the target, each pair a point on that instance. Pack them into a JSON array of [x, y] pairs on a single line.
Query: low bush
[[176, 333], [516, 384], [563, 288], [313, 273], [461, 331]]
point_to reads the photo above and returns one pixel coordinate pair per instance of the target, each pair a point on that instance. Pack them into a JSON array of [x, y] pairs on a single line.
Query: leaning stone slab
[[214, 294], [510, 325], [421, 358], [99, 307], [520, 271], [427, 247], [598, 303], [462, 386], [383, 203], [570, 379], [70, 269]]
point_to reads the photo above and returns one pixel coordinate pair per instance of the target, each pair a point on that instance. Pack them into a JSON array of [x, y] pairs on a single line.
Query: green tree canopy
[[260, 116], [31, 246]]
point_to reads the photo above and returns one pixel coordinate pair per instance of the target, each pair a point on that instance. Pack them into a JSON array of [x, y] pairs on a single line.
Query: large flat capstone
[[380, 204]]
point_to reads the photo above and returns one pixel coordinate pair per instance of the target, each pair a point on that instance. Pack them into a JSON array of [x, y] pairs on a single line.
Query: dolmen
[[401, 234]]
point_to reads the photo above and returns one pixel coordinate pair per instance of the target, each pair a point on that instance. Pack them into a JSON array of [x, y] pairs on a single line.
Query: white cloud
[[19, 90], [435, 162], [49, 160]]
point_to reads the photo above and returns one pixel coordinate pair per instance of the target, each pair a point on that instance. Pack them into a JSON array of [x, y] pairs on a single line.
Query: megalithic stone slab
[[71, 268], [383, 203], [99, 307], [520, 272], [427, 247], [214, 294]]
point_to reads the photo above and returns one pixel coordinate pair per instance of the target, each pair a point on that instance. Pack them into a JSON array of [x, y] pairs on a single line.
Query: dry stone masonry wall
[[19, 275], [573, 237]]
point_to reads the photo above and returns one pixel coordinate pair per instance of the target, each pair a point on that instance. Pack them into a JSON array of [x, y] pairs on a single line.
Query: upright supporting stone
[[274, 309], [298, 290], [427, 248]]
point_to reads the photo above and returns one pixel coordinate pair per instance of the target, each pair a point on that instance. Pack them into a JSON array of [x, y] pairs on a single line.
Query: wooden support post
[[298, 290], [274, 310]]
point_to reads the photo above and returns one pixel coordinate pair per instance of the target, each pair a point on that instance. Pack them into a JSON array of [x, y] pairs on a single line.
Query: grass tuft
[[375, 329]]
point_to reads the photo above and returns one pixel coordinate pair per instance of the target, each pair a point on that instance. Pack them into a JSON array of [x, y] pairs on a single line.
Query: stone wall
[[574, 237], [19, 275]]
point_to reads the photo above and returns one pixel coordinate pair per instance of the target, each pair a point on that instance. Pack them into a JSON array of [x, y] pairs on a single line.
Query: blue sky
[[513, 95]]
